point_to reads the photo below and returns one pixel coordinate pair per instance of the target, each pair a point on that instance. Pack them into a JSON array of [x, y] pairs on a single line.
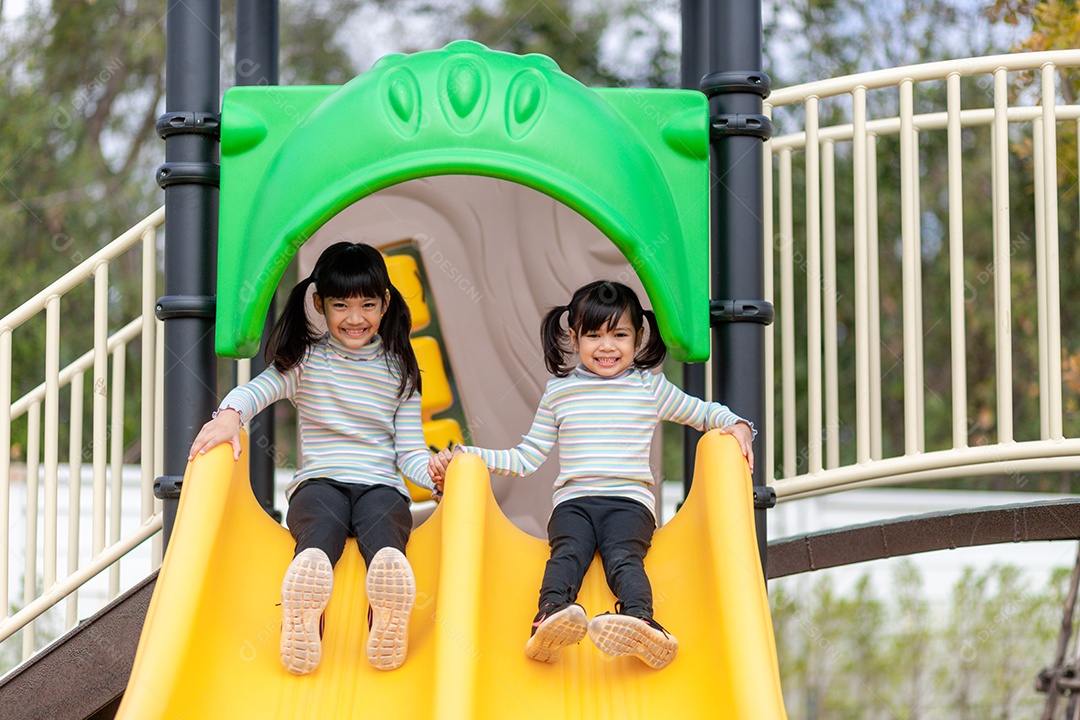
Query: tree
[[853, 655], [626, 42], [82, 85]]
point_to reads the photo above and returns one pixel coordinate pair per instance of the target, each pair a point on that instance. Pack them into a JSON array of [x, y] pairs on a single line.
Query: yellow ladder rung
[[439, 435], [405, 276], [435, 396]]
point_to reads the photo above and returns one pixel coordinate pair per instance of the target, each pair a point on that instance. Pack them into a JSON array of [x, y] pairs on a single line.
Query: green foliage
[[864, 657], [812, 40], [551, 28], [82, 85], [81, 92], [600, 44]]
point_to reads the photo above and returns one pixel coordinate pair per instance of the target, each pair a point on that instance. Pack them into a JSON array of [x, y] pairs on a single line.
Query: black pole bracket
[[167, 487], [764, 497], [736, 81], [189, 123], [729, 311], [728, 124], [186, 306], [199, 173]]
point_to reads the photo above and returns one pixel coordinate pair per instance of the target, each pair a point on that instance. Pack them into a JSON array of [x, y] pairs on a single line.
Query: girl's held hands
[[742, 432], [437, 466], [223, 428]]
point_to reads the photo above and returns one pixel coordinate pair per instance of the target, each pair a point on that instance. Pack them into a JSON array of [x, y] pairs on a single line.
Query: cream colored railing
[[44, 472], [810, 461]]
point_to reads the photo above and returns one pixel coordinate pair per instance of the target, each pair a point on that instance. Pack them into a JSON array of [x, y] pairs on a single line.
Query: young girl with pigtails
[[357, 393], [603, 413]]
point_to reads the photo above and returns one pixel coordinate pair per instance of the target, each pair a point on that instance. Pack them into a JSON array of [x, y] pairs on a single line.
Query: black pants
[[621, 529], [323, 513]]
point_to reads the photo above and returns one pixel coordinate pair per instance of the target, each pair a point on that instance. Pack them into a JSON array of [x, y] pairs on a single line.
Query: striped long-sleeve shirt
[[353, 426], [604, 427]]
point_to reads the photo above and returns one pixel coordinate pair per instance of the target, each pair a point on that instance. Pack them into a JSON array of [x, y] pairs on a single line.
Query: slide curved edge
[[209, 482], [721, 497]]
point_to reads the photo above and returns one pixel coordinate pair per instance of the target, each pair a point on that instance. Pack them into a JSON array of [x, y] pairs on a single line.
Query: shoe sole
[[305, 591], [564, 628], [619, 635], [391, 591]]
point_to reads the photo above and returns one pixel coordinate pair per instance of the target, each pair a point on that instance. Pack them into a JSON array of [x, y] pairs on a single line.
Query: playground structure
[[215, 615], [475, 570], [1054, 451]]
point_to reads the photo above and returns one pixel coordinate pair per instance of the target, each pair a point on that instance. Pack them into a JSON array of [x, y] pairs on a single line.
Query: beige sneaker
[[554, 629], [619, 635], [304, 594], [391, 591]]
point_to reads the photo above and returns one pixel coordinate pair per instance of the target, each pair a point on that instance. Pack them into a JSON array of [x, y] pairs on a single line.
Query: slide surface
[[209, 648]]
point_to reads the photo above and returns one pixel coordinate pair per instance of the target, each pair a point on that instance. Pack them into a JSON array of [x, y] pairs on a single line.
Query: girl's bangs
[[360, 280], [598, 315]]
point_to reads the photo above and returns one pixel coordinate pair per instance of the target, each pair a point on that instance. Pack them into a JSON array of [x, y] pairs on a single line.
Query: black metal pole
[[257, 64], [693, 68], [737, 87], [190, 180]]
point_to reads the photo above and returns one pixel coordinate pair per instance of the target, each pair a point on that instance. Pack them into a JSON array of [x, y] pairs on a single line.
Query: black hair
[[346, 270], [598, 305]]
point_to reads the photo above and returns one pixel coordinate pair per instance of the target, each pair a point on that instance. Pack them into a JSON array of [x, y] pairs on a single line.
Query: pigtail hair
[[394, 329], [654, 351], [553, 339], [292, 334]]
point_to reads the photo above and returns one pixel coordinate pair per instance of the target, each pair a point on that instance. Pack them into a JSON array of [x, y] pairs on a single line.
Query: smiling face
[[609, 350], [352, 321]]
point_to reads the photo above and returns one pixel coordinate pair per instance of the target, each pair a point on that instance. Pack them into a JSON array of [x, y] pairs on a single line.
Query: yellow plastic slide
[[209, 648]]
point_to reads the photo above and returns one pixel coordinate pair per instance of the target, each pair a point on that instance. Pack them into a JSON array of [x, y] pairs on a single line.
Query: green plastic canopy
[[634, 162]]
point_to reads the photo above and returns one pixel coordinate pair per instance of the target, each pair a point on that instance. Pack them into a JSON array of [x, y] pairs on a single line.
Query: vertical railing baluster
[[1002, 264], [828, 299], [787, 312], [74, 492], [101, 408], [910, 258], [1053, 272], [920, 333], [873, 292], [147, 399], [813, 287], [30, 572], [1038, 155], [51, 440], [243, 371], [955, 139], [159, 429], [860, 331], [119, 369]]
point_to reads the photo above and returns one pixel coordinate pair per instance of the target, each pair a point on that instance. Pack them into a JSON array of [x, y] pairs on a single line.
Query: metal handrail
[[41, 407], [940, 70], [815, 468]]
